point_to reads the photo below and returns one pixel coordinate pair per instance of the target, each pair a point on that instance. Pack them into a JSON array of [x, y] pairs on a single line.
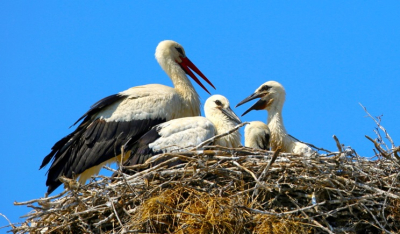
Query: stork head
[[172, 57], [217, 108], [271, 94], [255, 126], [257, 135]]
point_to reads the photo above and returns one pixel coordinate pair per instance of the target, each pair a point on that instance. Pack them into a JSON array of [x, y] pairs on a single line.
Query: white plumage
[[272, 97], [217, 109], [257, 135], [127, 115], [184, 133], [180, 134]]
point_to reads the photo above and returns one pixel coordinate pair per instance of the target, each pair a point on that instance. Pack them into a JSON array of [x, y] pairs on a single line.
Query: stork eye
[[218, 102], [265, 88], [179, 50]]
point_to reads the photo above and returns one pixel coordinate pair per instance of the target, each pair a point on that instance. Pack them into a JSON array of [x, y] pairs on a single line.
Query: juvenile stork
[[179, 135], [257, 135], [110, 122], [272, 96]]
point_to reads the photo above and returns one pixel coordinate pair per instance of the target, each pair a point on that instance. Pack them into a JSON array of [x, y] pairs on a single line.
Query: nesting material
[[221, 190]]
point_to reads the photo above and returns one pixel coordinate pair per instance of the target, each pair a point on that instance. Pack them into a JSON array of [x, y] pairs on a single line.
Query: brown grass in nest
[[241, 190], [216, 214], [272, 224], [192, 211]]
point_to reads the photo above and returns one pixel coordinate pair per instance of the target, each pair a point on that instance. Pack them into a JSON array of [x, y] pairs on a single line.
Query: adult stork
[[257, 135], [272, 96], [110, 122], [181, 134]]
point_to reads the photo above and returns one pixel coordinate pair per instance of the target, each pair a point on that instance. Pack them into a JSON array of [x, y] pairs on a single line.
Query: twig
[[104, 220], [380, 126], [282, 214], [310, 218], [40, 199], [338, 145], [219, 136], [115, 211], [264, 172], [373, 216], [377, 190], [248, 171], [311, 145], [9, 222], [382, 151], [274, 156]]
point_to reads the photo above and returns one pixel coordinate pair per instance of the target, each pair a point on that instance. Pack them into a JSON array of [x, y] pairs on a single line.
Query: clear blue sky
[[59, 57]]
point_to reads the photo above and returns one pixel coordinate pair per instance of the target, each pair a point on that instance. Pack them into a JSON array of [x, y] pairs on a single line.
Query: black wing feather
[[263, 143], [61, 144], [100, 105], [141, 152], [94, 141]]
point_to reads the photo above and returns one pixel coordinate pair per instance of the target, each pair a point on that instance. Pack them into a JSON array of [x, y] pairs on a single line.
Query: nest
[[222, 190]]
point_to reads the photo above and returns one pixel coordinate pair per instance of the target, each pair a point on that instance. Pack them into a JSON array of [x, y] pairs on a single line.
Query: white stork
[[257, 135], [272, 96], [179, 135], [110, 122]]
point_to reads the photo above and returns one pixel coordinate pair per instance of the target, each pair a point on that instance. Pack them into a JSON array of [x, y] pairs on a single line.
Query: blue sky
[[59, 57]]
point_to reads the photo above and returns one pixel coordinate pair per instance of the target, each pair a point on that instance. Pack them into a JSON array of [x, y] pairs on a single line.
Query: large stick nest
[[221, 190]]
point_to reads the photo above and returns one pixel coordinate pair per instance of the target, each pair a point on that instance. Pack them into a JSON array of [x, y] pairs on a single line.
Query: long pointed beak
[[259, 105], [231, 115], [186, 64], [249, 98]]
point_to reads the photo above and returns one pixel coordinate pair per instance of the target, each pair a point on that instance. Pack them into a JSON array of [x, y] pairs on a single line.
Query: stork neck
[[182, 85], [278, 131], [275, 121], [223, 124], [184, 88], [187, 92]]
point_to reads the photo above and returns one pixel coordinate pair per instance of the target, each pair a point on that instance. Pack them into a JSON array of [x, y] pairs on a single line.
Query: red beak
[[186, 64]]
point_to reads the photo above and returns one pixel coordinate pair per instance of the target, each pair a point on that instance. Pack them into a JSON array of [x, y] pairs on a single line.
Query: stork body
[[272, 97], [257, 135], [127, 115], [179, 135]]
